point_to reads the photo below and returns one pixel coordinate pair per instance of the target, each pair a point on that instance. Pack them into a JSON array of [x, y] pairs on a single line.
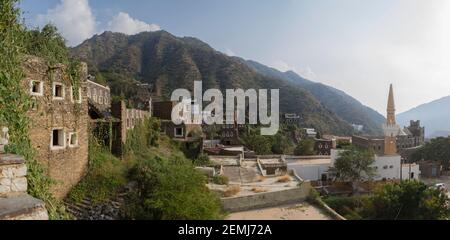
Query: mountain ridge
[[344, 105], [433, 115], [168, 62]]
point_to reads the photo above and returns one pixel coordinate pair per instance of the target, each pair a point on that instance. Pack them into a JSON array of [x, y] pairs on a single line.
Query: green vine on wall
[[15, 103]]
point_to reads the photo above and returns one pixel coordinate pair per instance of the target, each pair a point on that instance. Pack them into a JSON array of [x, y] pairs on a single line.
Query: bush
[[106, 177], [305, 148], [220, 180], [171, 189], [202, 160]]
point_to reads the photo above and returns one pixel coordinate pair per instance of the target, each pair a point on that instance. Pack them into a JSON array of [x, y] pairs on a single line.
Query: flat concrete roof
[[320, 161]]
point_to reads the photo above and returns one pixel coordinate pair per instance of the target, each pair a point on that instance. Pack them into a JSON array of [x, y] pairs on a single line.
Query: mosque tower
[[391, 129]]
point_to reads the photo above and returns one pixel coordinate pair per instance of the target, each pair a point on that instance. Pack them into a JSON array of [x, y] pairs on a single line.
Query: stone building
[[323, 146], [183, 132], [291, 119], [408, 138], [389, 164], [98, 95], [58, 121]]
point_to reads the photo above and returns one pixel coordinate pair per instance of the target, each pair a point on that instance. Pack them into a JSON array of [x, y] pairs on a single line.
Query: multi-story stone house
[[181, 132], [58, 121]]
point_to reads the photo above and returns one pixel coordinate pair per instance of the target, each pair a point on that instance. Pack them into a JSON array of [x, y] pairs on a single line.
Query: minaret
[[391, 129], [391, 107]]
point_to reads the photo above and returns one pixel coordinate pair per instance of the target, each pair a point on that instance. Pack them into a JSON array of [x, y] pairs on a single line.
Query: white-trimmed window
[[58, 139], [73, 97], [58, 91], [73, 139], [94, 95], [179, 132], [36, 88]]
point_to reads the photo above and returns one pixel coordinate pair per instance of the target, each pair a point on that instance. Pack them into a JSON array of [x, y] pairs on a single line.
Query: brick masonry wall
[[66, 165]]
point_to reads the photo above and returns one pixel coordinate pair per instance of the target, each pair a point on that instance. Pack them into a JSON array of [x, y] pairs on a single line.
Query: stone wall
[[15, 204], [269, 199], [128, 119], [56, 108], [99, 94]]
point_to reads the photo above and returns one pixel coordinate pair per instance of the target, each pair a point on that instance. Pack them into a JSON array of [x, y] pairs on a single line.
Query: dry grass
[[232, 191], [261, 178], [259, 190], [284, 179]]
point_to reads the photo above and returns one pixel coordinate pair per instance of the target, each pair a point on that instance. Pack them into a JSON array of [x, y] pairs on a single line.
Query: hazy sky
[[354, 45]]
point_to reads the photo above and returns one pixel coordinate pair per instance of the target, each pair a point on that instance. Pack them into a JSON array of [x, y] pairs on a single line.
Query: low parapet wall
[[15, 203], [265, 200]]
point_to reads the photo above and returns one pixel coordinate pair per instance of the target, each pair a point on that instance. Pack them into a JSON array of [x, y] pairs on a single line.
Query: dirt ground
[[301, 211]]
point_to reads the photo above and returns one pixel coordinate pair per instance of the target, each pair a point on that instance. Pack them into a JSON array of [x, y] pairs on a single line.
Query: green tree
[[353, 165], [410, 200], [260, 144], [305, 148], [171, 189], [437, 149], [281, 144]]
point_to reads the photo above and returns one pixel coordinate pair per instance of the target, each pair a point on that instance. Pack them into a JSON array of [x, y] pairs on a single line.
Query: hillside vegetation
[[166, 186]]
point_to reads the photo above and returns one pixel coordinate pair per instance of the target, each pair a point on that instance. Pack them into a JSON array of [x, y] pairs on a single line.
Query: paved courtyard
[[301, 211]]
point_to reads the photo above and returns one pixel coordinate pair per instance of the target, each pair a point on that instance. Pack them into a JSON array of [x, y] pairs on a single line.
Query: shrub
[[202, 160], [220, 180], [171, 189]]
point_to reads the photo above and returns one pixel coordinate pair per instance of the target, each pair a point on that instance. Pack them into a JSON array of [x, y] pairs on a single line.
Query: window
[[58, 91], [36, 88], [73, 139], [94, 95], [57, 139], [391, 167], [179, 132], [385, 167], [75, 97]]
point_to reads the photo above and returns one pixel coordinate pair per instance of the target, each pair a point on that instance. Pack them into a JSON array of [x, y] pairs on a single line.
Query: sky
[[357, 46]]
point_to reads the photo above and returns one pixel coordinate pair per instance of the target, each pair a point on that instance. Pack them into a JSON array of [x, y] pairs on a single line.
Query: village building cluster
[[65, 114]]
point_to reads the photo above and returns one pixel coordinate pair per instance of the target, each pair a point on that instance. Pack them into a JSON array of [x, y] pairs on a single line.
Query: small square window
[[58, 141], [73, 139], [179, 132], [36, 88], [58, 91]]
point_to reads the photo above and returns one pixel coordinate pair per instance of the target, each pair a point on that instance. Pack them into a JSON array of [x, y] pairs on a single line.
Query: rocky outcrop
[[88, 210]]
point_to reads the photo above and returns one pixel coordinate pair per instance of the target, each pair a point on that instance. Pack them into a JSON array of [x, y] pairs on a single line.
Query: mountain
[[345, 106], [168, 62], [435, 116]]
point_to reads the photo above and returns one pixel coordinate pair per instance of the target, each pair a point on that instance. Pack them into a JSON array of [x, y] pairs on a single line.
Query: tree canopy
[[305, 148], [410, 200], [354, 165], [437, 149]]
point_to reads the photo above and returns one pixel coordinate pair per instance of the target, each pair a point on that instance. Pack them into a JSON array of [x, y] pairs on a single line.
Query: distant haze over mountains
[[435, 116], [344, 105], [168, 62]]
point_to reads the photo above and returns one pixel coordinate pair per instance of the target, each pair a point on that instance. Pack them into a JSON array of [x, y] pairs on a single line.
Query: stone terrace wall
[[15, 204], [269, 199]]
